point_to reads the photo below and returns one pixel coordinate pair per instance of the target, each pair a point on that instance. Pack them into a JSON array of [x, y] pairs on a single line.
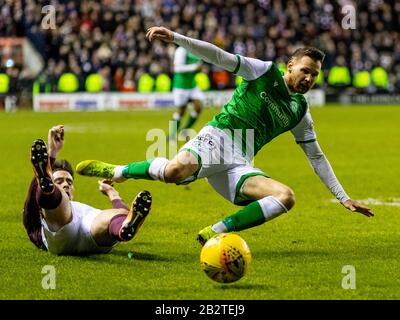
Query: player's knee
[[286, 197], [198, 106], [173, 173]]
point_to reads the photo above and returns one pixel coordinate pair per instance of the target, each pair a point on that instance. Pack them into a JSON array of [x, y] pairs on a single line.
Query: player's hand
[[160, 33], [354, 206], [106, 188], [55, 139]]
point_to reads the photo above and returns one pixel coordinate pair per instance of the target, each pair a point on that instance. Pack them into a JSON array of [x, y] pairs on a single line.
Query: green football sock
[[250, 216], [137, 170]]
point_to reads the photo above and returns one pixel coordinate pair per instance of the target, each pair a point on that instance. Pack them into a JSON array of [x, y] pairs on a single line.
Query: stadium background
[[101, 46], [298, 256]]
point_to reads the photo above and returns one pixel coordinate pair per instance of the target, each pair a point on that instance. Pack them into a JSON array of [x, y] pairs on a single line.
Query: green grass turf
[[300, 255]]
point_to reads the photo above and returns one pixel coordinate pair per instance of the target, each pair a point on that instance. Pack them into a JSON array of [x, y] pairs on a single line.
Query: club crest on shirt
[[205, 141]]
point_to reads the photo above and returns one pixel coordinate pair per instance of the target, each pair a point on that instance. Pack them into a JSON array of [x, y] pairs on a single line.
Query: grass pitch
[[299, 255]]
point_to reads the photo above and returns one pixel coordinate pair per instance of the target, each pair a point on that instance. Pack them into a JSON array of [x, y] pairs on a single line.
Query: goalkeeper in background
[[265, 105], [185, 90]]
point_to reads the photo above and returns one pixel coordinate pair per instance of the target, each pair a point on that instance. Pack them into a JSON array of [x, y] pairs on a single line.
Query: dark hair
[[311, 52], [63, 165]]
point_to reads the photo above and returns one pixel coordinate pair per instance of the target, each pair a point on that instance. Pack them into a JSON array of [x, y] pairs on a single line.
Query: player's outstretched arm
[[55, 139], [202, 49], [248, 68], [305, 136], [106, 188], [324, 170]]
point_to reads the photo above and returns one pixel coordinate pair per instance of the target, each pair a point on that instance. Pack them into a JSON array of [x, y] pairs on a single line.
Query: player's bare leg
[[120, 224], [181, 167], [100, 226], [271, 199], [259, 187], [52, 198], [198, 105], [176, 120], [194, 115]]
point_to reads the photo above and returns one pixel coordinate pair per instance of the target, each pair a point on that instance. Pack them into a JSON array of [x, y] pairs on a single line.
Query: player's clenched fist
[[55, 140], [57, 132]]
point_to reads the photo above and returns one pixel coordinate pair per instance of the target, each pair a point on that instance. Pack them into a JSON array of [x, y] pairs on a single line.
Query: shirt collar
[[289, 91]]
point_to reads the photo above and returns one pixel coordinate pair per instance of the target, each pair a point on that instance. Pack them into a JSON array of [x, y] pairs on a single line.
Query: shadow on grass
[[121, 257], [244, 287], [140, 255]]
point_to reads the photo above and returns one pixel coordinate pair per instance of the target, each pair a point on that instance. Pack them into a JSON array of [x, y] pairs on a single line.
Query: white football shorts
[[74, 238], [222, 163], [182, 96]]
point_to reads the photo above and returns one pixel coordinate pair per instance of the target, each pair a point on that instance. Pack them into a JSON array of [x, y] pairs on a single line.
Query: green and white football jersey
[[185, 68], [263, 104]]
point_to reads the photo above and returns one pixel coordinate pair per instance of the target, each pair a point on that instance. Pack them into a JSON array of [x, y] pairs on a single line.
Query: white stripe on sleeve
[[323, 169], [248, 68], [304, 131]]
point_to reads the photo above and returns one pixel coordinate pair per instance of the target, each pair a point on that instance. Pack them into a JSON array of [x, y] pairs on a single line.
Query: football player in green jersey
[[265, 105], [185, 90]]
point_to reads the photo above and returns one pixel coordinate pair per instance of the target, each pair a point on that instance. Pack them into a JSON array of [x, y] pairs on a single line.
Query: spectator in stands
[[128, 83], [113, 32], [221, 79]]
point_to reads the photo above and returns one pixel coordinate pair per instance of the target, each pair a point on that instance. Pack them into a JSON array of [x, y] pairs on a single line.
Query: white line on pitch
[[393, 202]]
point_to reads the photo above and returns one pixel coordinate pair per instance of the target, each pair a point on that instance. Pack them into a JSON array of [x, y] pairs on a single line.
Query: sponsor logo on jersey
[[280, 116]]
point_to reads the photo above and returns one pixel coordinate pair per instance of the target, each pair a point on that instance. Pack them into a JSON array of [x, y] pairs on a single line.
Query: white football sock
[[157, 168], [271, 207], [118, 177], [219, 227]]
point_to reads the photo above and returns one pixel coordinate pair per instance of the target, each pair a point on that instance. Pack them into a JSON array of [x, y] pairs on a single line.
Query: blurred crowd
[[108, 36]]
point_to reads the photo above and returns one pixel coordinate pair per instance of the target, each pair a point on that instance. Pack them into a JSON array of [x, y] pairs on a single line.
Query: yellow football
[[225, 257]]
